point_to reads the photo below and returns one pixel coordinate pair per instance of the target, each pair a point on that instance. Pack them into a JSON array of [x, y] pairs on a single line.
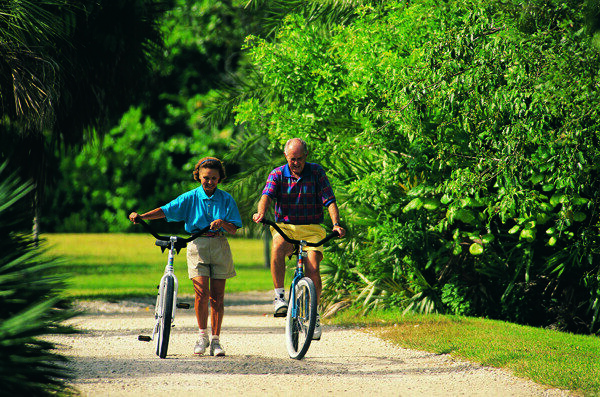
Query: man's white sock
[[280, 292]]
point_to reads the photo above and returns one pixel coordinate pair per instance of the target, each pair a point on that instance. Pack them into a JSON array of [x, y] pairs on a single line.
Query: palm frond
[[30, 303]]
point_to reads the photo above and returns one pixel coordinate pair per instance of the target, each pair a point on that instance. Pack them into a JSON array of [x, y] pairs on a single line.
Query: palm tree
[[30, 304], [67, 69]]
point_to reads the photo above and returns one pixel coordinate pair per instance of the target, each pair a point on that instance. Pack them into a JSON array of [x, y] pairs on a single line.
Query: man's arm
[[263, 206], [334, 214]]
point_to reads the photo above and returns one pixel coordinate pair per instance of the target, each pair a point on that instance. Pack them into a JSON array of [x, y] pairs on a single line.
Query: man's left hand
[[340, 230]]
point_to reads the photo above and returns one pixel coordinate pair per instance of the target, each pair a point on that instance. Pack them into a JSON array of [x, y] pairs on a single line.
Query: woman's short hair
[[212, 163]]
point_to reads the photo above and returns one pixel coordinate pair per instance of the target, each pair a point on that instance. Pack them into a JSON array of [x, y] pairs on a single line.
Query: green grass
[[125, 265], [548, 357]]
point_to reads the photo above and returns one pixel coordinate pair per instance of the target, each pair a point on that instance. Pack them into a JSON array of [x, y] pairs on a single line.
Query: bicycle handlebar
[[180, 243], [295, 242]]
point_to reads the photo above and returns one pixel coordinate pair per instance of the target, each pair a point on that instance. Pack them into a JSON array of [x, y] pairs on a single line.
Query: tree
[[148, 157], [69, 68], [462, 141]]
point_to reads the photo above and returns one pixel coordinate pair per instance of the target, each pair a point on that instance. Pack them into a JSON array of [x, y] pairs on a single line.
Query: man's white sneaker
[[318, 331], [201, 345], [216, 349], [280, 306]]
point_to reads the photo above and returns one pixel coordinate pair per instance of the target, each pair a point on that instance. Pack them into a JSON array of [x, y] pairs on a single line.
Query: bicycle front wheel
[[301, 319], [165, 316]]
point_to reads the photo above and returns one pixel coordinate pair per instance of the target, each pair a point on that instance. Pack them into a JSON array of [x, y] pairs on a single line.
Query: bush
[[30, 304], [462, 140]]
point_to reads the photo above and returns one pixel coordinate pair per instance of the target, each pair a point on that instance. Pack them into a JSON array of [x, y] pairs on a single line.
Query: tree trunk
[[36, 217]]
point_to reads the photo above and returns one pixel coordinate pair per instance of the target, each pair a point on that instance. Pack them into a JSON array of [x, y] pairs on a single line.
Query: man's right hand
[[258, 217]]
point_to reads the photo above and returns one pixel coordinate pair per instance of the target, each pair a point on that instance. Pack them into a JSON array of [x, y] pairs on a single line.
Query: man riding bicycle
[[300, 191]]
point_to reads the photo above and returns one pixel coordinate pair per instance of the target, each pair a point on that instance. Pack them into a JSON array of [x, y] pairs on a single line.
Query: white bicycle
[[166, 300]]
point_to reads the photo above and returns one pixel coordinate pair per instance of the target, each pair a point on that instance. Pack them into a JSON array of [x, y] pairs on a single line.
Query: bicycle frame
[[298, 275], [166, 299], [169, 272], [301, 316]]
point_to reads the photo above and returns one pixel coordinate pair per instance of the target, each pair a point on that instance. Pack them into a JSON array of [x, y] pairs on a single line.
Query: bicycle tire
[[299, 329], [165, 317]]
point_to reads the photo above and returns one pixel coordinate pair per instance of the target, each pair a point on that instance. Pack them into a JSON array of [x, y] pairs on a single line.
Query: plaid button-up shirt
[[301, 200]]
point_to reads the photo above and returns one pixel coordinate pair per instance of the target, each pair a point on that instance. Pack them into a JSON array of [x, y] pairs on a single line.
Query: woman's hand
[[216, 224], [134, 217], [220, 223]]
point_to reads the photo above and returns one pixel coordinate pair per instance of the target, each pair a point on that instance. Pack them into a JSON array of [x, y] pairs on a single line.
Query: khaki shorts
[[210, 256], [312, 233]]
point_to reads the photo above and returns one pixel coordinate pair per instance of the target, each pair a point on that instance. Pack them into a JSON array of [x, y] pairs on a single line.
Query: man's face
[[296, 158]]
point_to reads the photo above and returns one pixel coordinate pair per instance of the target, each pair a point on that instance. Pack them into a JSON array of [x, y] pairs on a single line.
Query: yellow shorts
[[211, 257], [312, 233]]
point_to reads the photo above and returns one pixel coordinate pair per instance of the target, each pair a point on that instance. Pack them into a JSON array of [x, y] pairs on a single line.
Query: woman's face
[[209, 179]]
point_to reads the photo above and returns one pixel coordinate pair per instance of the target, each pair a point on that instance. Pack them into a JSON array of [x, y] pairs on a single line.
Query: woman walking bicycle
[[209, 258]]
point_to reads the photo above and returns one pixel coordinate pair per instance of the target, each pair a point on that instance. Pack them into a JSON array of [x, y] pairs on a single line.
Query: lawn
[[122, 265]]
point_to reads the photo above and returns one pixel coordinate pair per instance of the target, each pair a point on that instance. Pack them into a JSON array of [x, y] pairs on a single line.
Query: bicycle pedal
[[144, 338], [183, 305]]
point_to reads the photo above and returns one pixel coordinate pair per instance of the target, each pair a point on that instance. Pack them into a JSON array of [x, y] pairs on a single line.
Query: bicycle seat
[[179, 244]]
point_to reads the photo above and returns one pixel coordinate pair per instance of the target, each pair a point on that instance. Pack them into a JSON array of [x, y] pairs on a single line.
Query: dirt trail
[[109, 360]]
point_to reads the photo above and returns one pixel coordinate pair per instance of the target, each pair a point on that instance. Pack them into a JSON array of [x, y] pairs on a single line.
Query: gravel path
[[109, 360]]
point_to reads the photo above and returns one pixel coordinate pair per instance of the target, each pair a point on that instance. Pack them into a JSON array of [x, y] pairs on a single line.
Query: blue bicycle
[[302, 310]]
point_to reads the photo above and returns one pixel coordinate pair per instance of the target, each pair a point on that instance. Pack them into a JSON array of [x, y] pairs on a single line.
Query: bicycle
[[166, 300], [302, 303]]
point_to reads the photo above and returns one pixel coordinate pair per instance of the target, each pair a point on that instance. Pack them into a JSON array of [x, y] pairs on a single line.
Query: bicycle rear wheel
[[165, 316], [301, 319]]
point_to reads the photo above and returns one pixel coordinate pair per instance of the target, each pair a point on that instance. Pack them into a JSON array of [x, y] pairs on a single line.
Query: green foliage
[[30, 304], [462, 142], [147, 159], [67, 67]]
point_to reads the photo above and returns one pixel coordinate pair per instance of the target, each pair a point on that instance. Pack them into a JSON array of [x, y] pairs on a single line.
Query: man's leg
[[311, 269], [279, 250]]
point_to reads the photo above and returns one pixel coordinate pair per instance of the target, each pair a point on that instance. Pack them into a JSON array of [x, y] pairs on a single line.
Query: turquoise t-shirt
[[198, 210]]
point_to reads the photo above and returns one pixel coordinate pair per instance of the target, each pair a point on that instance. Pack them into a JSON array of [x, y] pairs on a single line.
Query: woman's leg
[[217, 304], [201, 290]]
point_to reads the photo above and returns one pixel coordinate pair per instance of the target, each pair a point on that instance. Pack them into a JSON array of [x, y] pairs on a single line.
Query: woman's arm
[[156, 213]]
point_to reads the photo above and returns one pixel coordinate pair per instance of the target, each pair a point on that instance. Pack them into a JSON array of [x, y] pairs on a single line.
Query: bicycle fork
[[298, 275], [169, 272]]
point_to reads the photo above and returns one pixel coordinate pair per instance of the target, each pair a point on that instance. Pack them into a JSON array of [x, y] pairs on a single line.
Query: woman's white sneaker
[[216, 349], [201, 345]]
